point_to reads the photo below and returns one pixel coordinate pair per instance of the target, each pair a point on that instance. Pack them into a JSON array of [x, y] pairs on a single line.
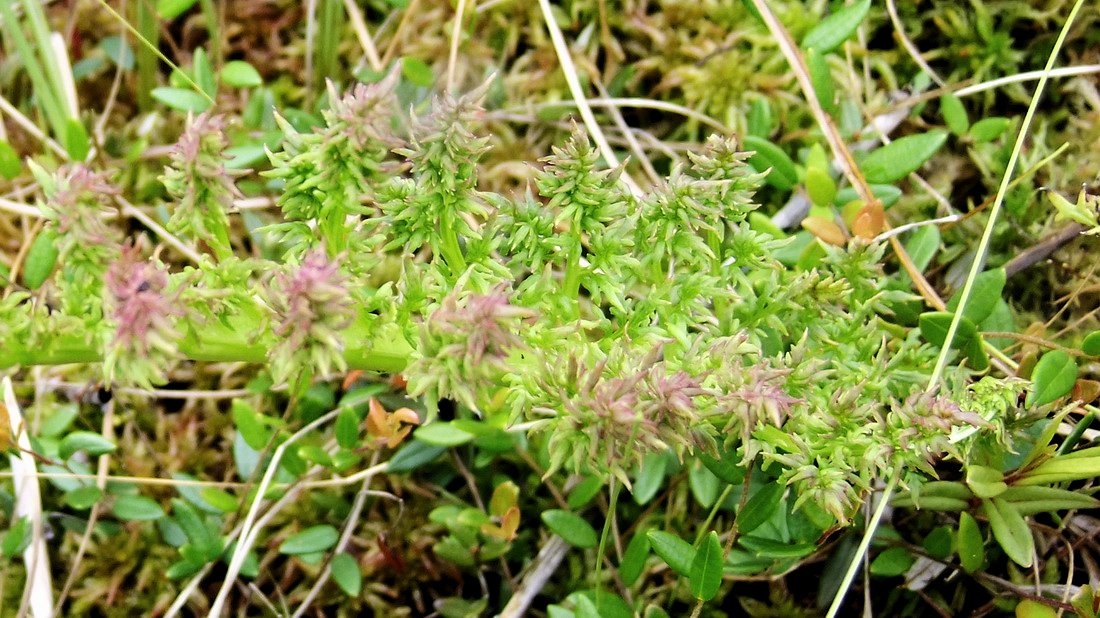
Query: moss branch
[[387, 352]]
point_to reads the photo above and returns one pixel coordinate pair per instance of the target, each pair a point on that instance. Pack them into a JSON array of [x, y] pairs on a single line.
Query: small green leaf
[[760, 118], [41, 259], [1011, 531], [821, 187], [346, 574], [136, 508], [988, 129], [887, 194], [650, 477], [240, 74], [83, 497], [984, 481], [413, 455], [204, 72], [971, 544], [220, 499], [183, 568], [182, 99], [706, 568], [575, 530], [311, 540], [93, 443], [1052, 378], [954, 114], [892, 562], [171, 9], [1091, 344], [822, 79], [249, 425], [832, 31], [584, 492], [205, 543], [630, 569], [677, 553], [784, 173], [935, 324], [705, 487], [760, 507], [901, 157], [1034, 609], [939, 543], [17, 538], [923, 245], [417, 72], [984, 295], [347, 428], [10, 164], [442, 433], [76, 139], [505, 496], [119, 51]]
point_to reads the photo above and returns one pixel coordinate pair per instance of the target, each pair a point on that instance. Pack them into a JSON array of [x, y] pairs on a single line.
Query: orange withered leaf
[[390, 427]]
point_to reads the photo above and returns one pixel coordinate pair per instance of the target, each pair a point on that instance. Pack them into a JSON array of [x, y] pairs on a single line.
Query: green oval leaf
[[240, 74], [581, 494], [923, 245], [1091, 344], [93, 443], [984, 481], [417, 72], [413, 455], [705, 487], [650, 477], [346, 574], [832, 31], [988, 129], [954, 114], [1029, 608], [630, 569], [249, 425], [935, 324], [901, 157], [784, 173], [984, 295], [821, 187], [1052, 378], [76, 139], [442, 433], [346, 428], [311, 540], [887, 194], [83, 497], [41, 260], [760, 507], [17, 538], [171, 9], [220, 499], [971, 544], [676, 552], [706, 568], [136, 508], [1011, 531], [892, 562], [182, 99], [822, 79], [10, 164], [571, 527]]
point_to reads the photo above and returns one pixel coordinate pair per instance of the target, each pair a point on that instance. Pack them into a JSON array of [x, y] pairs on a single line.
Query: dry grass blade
[[38, 590]]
